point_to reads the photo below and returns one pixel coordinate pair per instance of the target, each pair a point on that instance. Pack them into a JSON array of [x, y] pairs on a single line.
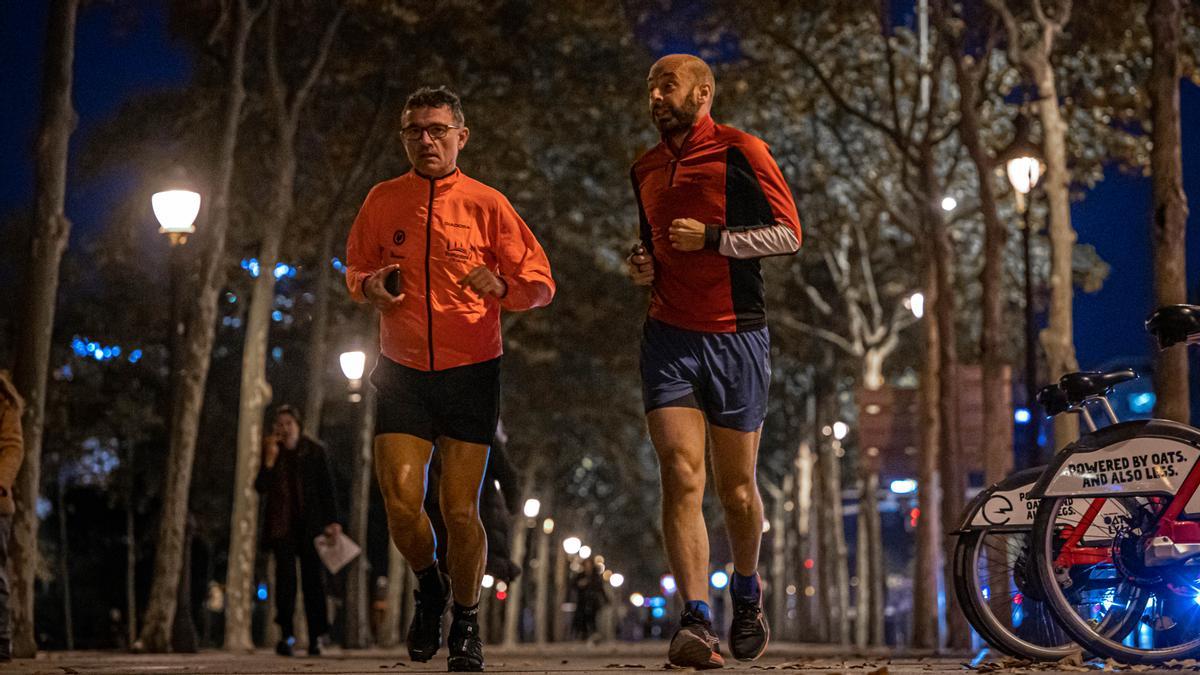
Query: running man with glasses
[[440, 255], [711, 202]]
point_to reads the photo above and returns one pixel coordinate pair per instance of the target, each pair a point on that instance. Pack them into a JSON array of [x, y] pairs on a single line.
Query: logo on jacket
[[455, 252], [398, 237]]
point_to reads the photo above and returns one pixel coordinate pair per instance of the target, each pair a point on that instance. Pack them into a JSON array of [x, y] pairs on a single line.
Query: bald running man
[[711, 201]]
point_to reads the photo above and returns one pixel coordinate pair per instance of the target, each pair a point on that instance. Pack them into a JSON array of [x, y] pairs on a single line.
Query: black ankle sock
[[464, 613], [430, 580]]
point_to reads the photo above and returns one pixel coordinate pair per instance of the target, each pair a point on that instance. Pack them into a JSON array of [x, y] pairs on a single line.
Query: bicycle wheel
[[959, 580], [999, 596], [1105, 574]]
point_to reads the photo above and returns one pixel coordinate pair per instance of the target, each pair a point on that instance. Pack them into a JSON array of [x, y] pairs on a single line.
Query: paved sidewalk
[[606, 658]]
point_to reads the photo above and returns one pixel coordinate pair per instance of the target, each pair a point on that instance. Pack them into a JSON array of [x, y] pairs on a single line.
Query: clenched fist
[[484, 282], [641, 266]]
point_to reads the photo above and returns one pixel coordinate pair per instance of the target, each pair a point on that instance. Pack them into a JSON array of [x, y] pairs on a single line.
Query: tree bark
[[390, 631], [951, 459], [190, 381], [997, 444], [512, 605], [926, 632], [836, 567], [64, 559], [1169, 229], [51, 232], [255, 391], [358, 586], [542, 592]]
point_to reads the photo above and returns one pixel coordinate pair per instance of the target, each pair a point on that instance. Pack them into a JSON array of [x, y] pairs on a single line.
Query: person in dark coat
[[297, 485]]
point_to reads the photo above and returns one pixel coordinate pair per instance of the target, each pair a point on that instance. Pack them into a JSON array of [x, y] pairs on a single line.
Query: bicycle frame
[[1076, 549]]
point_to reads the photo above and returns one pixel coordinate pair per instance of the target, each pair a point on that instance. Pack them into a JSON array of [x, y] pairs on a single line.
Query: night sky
[[119, 54]]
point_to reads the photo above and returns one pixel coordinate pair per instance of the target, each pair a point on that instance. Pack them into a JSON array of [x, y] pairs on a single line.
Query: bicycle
[[1117, 529], [992, 568]]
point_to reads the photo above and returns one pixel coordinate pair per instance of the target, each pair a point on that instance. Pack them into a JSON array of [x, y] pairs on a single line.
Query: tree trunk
[[1058, 337], [997, 444], [255, 391], [358, 587], [779, 542], [183, 629], [64, 559], [868, 604], [390, 632], [1169, 230], [802, 548], [925, 631], [541, 593], [318, 342], [834, 555], [512, 606], [188, 397], [951, 459], [51, 232], [557, 619]]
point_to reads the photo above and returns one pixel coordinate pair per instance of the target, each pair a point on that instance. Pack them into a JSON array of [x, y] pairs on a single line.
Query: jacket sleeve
[[12, 444], [771, 224], [362, 256], [522, 262], [262, 482]]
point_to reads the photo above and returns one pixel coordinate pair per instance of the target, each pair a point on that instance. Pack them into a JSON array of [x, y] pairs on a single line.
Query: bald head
[[681, 88]]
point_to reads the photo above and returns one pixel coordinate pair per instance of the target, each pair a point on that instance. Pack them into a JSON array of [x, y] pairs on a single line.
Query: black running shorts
[[459, 403]]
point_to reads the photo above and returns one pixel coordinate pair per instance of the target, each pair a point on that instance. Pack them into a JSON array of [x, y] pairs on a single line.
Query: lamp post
[[175, 208], [1024, 168], [357, 584]]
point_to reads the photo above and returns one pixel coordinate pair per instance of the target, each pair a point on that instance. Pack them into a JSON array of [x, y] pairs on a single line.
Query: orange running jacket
[[438, 230]]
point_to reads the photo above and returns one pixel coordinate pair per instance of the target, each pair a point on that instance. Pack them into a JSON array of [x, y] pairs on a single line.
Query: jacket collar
[[703, 129], [440, 181]]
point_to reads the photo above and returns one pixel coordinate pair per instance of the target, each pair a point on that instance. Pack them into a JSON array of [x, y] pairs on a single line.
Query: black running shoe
[[749, 633], [466, 648], [695, 645], [425, 631], [284, 646]]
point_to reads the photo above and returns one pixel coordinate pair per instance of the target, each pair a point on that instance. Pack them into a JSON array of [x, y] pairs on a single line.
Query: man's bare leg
[[463, 466], [735, 458], [401, 464], [679, 441], [735, 454]]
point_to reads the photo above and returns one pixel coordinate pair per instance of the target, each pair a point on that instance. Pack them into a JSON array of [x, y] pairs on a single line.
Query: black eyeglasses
[[435, 131]]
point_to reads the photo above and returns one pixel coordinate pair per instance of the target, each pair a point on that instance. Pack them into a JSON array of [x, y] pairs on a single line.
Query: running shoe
[[425, 631], [695, 645], [466, 648], [748, 633]]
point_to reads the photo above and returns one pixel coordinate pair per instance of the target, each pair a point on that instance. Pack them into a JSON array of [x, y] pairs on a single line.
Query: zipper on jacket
[[428, 286], [671, 179]]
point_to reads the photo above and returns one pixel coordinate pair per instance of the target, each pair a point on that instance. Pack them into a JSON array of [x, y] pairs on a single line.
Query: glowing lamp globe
[[176, 211]]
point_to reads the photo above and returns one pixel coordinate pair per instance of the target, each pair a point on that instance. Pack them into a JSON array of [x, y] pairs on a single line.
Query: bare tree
[[1169, 229], [236, 19], [1033, 54], [285, 105], [51, 232]]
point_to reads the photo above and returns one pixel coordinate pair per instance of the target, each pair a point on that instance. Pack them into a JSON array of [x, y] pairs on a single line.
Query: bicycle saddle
[[1053, 400], [1078, 386], [1173, 324]]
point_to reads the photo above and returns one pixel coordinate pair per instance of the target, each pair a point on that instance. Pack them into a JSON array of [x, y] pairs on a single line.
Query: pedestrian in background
[[297, 485]]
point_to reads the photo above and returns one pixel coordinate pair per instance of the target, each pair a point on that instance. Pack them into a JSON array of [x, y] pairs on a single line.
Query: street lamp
[[585, 551], [548, 526], [176, 207], [617, 579], [571, 545], [532, 508], [1022, 163], [353, 364]]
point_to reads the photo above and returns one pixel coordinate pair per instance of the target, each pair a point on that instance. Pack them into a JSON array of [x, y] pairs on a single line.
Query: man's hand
[[332, 531], [641, 266], [687, 234], [270, 450], [376, 294], [484, 282]]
